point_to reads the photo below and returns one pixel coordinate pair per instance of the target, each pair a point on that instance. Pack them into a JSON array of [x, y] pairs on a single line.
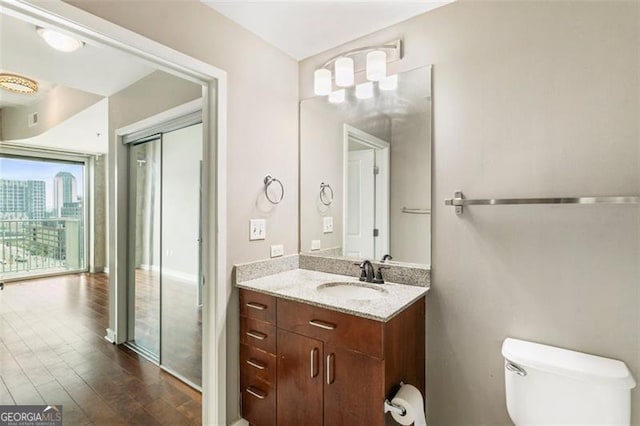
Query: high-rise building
[[22, 199], [72, 210], [65, 190]]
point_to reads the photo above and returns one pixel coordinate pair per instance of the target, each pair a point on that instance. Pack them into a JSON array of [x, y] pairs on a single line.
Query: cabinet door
[[299, 390], [353, 388]]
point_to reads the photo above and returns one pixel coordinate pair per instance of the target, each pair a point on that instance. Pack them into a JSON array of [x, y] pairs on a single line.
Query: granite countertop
[[300, 285]]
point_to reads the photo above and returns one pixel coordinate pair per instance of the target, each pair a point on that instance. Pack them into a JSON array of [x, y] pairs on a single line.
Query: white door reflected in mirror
[[366, 207]]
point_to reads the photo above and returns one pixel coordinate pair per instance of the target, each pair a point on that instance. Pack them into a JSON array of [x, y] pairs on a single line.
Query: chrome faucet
[[367, 271]]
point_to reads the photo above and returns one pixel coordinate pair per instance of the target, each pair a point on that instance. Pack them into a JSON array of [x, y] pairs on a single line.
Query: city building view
[[41, 217]]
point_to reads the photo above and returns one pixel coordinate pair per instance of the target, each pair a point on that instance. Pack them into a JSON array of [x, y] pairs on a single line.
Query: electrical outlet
[[277, 250], [315, 245], [327, 224], [258, 229]]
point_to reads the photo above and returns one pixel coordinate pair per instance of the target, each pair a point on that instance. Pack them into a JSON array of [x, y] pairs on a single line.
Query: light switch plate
[[258, 229], [327, 224], [277, 250], [315, 245]]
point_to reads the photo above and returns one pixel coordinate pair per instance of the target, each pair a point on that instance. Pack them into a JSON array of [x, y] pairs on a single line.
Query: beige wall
[[410, 234], [322, 160], [262, 126], [181, 156], [530, 99]]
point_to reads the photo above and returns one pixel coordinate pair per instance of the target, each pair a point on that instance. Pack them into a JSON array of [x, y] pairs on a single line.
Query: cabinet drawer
[[259, 363], [258, 334], [258, 401], [343, 330], [257, 306]]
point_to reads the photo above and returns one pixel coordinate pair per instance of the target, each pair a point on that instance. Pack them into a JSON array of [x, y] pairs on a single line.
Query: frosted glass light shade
[[322, 82], [364, 90], [376, 65], [389, 83], [337, 97], [59, 41], [344, 72]]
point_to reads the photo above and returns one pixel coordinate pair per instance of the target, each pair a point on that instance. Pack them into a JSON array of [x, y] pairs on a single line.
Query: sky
[[21, 169]]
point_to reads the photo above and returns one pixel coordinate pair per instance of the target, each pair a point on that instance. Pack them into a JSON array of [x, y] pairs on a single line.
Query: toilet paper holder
[[394, 408]]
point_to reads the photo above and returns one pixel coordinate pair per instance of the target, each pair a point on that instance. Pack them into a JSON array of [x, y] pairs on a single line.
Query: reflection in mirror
[[67, 179], [376, 156]]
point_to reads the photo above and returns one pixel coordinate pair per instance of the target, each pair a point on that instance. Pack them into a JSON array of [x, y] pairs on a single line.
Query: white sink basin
[[352, 290]]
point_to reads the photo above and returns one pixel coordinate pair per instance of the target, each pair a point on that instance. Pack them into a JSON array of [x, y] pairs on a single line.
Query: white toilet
[[546, 385]]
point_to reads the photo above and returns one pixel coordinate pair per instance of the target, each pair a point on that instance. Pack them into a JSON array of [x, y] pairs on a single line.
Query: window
[[43, 205]]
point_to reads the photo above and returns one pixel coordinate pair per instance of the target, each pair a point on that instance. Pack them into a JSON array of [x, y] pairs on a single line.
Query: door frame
[[382, 184], [66, 17]]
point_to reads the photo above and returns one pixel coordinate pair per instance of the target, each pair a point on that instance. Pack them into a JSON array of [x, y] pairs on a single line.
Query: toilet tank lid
[[578, 365]]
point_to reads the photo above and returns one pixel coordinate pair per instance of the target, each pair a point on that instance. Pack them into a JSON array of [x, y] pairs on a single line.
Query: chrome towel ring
[[326, 197], [268, 180]]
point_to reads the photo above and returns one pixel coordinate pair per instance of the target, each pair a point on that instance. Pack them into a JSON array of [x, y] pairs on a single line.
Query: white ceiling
[[305, 28], [86, 131], [94, 69]]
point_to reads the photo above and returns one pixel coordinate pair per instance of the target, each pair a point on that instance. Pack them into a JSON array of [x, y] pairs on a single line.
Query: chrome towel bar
[[415, 211], [458, 201]]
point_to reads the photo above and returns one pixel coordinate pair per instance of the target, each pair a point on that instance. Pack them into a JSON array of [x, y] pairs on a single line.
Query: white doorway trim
[[382, 159], [65, 17]]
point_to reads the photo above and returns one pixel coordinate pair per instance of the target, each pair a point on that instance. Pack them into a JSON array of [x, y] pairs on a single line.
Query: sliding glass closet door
[[181, 323], [145, 172], [165, 312]]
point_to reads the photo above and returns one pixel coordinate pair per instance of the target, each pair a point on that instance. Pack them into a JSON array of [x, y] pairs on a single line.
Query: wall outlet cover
[[315, 245], [277, 250], [327, 224], [257, 229]]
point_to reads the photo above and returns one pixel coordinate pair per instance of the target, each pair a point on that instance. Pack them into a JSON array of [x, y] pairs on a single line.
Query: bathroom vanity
[[315, 359]]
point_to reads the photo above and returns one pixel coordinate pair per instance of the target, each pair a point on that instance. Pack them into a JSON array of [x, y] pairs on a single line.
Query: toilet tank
[[546, 385]]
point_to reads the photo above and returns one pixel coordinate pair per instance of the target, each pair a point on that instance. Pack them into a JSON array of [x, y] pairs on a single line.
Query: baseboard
[[241, 422], [106, 270], [171, 273], [111, 336], [180, 276]]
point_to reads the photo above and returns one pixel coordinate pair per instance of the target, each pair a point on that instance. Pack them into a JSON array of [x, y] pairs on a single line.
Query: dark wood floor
[[181, 322], [52, 351]]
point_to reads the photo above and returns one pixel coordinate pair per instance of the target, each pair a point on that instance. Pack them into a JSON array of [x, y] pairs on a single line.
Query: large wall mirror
[[365, 173]]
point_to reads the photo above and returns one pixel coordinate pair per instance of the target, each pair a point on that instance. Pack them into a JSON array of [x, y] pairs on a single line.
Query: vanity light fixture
[[376, 65], [337, 97], [344, 72], [389, 83], [322, 82], [372, 59], [59, 41], [364, 90], [18, 84]]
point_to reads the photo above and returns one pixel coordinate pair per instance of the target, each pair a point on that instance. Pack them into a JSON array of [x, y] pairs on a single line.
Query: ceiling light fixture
[[18, 84], [59, 41], [372, 59]]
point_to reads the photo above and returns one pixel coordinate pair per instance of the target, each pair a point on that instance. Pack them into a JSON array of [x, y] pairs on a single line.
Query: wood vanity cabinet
[[334, 368], [258, 361]]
